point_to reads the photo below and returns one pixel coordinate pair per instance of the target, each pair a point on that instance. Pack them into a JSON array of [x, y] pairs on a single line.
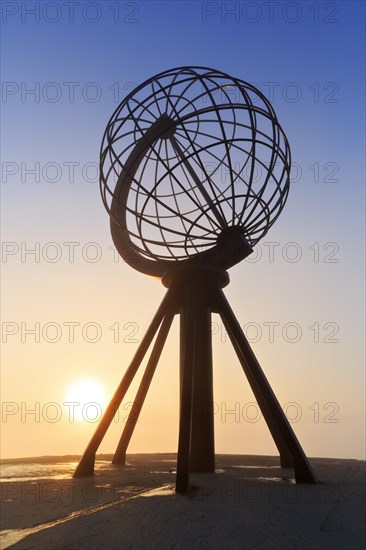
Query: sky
[[72, 312]]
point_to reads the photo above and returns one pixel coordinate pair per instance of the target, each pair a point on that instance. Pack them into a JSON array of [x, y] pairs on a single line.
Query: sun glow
[[86, 400]]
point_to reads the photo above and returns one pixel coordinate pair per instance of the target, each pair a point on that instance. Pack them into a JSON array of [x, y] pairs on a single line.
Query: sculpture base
[[194, 292]]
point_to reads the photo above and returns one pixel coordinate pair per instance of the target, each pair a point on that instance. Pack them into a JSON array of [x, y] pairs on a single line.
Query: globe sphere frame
[[194, 168]]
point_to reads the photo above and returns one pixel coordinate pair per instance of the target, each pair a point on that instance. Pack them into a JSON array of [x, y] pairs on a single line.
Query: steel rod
[[277, 422], [188, 333], [202, 436], [222, 222], [120, 454], [85, 467]]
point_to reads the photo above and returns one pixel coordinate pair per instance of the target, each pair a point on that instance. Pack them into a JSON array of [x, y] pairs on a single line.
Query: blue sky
[[310, 56]]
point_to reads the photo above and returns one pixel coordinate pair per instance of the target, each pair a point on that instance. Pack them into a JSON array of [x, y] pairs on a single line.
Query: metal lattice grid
[[223, 162]]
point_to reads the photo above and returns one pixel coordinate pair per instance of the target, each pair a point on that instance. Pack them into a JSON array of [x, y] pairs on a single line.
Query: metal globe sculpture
[[188, 156], [194, 170]]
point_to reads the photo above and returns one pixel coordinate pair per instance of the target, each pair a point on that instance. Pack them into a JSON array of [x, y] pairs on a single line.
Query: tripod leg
[[120, 454], [85, 468], [202, 436], [188, 334], [277, 422]]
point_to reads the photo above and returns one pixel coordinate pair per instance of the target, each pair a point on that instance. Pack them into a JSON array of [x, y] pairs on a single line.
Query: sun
[[86, 400]]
